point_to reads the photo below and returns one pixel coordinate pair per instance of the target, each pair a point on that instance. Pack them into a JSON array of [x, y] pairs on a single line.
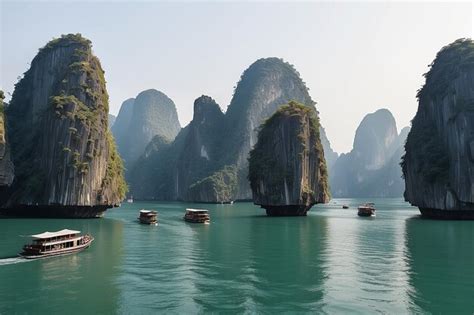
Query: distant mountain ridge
[[372, 168], [208, 160], [150, 114]]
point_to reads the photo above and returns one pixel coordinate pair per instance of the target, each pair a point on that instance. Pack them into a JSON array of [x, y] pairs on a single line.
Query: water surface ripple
[[328, 262]]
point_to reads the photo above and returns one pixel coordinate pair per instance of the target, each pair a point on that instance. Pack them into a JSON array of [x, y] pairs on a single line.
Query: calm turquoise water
[[328, 262]]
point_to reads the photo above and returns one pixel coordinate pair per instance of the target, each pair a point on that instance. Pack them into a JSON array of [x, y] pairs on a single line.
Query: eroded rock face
[[198, 174], [287, 169], [7, 172], [263, 88], [63, 152], [438, 165], [211, 165], [372, 168]]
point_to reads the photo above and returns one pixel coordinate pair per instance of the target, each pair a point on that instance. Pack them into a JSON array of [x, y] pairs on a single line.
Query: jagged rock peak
[[438, 165], [287, 169], [65, 157], [205, 106], [272, 78]]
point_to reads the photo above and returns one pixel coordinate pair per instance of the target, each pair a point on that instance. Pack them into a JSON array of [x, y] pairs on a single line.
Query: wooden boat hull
[[366, 214], [147, 222], [190, 220], [62, 252]]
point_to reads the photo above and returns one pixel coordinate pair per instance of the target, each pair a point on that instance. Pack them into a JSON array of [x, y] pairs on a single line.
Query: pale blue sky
[[354, 57]]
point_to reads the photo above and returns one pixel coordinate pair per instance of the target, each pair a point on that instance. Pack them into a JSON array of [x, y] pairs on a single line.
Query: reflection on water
[[441, 259], [329, 262]]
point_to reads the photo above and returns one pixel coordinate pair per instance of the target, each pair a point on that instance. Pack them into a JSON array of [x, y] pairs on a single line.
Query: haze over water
[[330, 262]]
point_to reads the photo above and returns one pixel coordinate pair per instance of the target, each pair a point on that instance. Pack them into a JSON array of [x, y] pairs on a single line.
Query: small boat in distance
[[366, 210], [58, 243], [148, 217], [130, 200], [197, 216], [345, 207]]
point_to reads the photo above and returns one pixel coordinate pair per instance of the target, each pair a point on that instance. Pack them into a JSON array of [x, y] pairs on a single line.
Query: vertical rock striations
[[263, 87], [287, 169], [329, 154], [212, 165], [66, 163], [6, 165], [439, 162], [199, 176]]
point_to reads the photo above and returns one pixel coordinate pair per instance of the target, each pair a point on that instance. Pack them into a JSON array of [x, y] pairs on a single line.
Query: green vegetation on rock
[[59, 127], [287, 165]]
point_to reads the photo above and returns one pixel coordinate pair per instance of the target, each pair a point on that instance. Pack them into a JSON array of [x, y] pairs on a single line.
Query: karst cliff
[[438, 165], [65, 159], [287, 169]]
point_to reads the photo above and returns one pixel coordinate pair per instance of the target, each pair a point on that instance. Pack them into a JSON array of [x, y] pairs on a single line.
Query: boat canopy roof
[[46, 235], [196, 210], [147, 211]]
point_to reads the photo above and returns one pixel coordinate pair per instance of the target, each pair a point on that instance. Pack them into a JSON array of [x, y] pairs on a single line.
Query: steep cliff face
[[65, 159], [371, 169], [153, 177], [201, 155], [329, 154], [439, 162], [213, 165], [287, 169], [152, 114], [264, 86], [121, 126], [7, 172]]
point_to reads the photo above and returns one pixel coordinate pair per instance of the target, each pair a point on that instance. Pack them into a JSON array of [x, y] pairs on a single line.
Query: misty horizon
[[354, 57]]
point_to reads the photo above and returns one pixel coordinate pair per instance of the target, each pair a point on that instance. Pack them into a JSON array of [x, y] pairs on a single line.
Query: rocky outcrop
[[213, 166], [372, 168], [329, 154], [65, 158], [198, 176], [264, 86], [122, 123], [153, 114], [7, 172], [287, 169], [153, 177], [439, 162]]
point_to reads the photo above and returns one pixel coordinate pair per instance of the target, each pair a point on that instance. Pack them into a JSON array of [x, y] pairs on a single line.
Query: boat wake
[[12, 260]]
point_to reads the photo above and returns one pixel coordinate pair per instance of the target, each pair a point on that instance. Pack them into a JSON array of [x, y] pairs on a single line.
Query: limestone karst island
[[246, 157]]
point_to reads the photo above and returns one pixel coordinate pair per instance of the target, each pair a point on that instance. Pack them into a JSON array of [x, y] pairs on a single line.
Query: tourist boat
[[366, 210], [56, 243], [345, 207], [148, 217], [197, 216]]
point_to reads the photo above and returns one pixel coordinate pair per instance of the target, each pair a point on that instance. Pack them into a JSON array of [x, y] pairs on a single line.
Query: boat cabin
[[56, 243], [366, 210], [148, 217], [197, 216]]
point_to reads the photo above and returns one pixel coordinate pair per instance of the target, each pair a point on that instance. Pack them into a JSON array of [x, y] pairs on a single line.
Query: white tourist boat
[[56, 243]]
